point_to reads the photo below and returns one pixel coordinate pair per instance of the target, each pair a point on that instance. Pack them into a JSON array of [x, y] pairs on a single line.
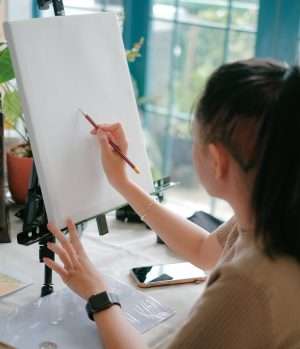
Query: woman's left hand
[[77, 270]]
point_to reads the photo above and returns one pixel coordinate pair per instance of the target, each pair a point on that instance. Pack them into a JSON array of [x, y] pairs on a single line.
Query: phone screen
[[167, 272]]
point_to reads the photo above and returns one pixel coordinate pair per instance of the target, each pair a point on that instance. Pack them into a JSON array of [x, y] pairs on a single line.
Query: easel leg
[[102, 224], [47, 287]]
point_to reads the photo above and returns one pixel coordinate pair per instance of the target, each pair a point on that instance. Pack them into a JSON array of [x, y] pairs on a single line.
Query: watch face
[[100, 301]]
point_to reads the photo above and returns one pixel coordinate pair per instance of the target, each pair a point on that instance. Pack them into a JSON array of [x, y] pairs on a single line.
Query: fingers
[[117, 131], [66, 245], [115, 128], [110, 127], [56, 267], [107, 127], [113, 132], [104, 141], [94, 131], [62, 255], [74, 238]]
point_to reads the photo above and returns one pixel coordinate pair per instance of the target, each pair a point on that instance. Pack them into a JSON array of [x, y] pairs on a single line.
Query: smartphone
[[167, 274]]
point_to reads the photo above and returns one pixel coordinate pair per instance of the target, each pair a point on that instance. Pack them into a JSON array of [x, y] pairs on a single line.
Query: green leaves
[[6, 67], [12, 108], [10, 98], [134, 53]]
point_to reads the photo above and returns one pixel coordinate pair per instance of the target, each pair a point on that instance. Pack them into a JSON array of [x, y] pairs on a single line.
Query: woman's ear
[[220, 159]]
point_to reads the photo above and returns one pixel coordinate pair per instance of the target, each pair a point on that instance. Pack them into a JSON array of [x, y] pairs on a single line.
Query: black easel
[[58, 6], [34, 214]]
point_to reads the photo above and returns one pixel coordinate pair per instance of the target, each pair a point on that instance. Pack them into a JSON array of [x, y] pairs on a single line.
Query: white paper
[[61, 318], [62, 64]]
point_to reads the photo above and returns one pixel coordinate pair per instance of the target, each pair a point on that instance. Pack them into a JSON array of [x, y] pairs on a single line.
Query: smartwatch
[[101, 301]]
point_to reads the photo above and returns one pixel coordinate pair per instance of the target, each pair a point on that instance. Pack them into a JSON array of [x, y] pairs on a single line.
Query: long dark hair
[[253, 108]]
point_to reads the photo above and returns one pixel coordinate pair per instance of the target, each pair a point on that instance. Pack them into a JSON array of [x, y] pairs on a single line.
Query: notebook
[[66, 63]]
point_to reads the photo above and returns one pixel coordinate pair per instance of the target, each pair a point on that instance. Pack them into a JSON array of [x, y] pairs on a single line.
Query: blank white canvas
[[61, 64]]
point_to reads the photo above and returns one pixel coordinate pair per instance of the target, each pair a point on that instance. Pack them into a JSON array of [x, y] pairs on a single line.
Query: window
[[188, 40], [75, 7], [90, 6]]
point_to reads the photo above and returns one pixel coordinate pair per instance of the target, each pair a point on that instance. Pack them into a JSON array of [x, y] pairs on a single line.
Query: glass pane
[[241, 46], [182, 57], [244, 14], [182, 167], [79, 11], [77, 7], [74, 7], [182, 170], [198, 52], [160, 43], [114, 6], [82, 3], [165, 9], [204, 12], [154, 131]]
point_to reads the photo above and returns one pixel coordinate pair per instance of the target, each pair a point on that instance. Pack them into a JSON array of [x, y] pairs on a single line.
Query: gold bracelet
[[146, 211]]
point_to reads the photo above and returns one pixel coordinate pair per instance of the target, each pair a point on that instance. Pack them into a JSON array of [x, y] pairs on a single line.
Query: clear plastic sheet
[[61, 319]]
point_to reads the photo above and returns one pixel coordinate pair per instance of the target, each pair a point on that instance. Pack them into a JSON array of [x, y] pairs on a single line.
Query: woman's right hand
[[114, 166]]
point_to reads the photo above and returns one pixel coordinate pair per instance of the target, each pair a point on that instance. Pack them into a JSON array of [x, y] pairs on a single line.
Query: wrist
[[101, 302], [122, 185], [107, 312], [94, 289]]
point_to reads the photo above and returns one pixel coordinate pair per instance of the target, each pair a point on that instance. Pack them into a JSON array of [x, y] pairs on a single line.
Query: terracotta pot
[[18, 175]]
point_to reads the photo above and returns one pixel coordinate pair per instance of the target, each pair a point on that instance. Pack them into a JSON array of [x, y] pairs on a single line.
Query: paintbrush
[[113, 145]]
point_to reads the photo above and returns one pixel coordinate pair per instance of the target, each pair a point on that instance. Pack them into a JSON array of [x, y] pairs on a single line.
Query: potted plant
[[19, 156]]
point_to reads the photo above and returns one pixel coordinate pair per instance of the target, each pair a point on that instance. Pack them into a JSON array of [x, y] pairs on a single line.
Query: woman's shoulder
[[268, 287], [238, 272], [248, 260], [231, 313], [225, 230]]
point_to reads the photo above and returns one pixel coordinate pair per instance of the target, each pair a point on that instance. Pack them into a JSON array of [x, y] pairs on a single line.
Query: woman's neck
[[244, 214]]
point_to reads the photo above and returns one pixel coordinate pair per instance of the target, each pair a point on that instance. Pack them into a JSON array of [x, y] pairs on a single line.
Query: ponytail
[[261, 98], [276, 194]]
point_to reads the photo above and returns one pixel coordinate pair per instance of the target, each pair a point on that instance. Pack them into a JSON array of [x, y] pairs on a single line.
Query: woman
[[245, 151]]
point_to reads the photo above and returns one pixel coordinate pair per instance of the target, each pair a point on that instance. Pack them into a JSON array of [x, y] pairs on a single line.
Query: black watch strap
[[101, 301]]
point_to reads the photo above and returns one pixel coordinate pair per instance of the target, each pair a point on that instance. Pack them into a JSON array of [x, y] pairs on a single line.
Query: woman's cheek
[[195, 157], [199, 162], [202, 167]]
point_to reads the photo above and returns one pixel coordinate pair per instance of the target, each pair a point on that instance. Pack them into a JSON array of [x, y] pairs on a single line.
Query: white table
[[126, 246]]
